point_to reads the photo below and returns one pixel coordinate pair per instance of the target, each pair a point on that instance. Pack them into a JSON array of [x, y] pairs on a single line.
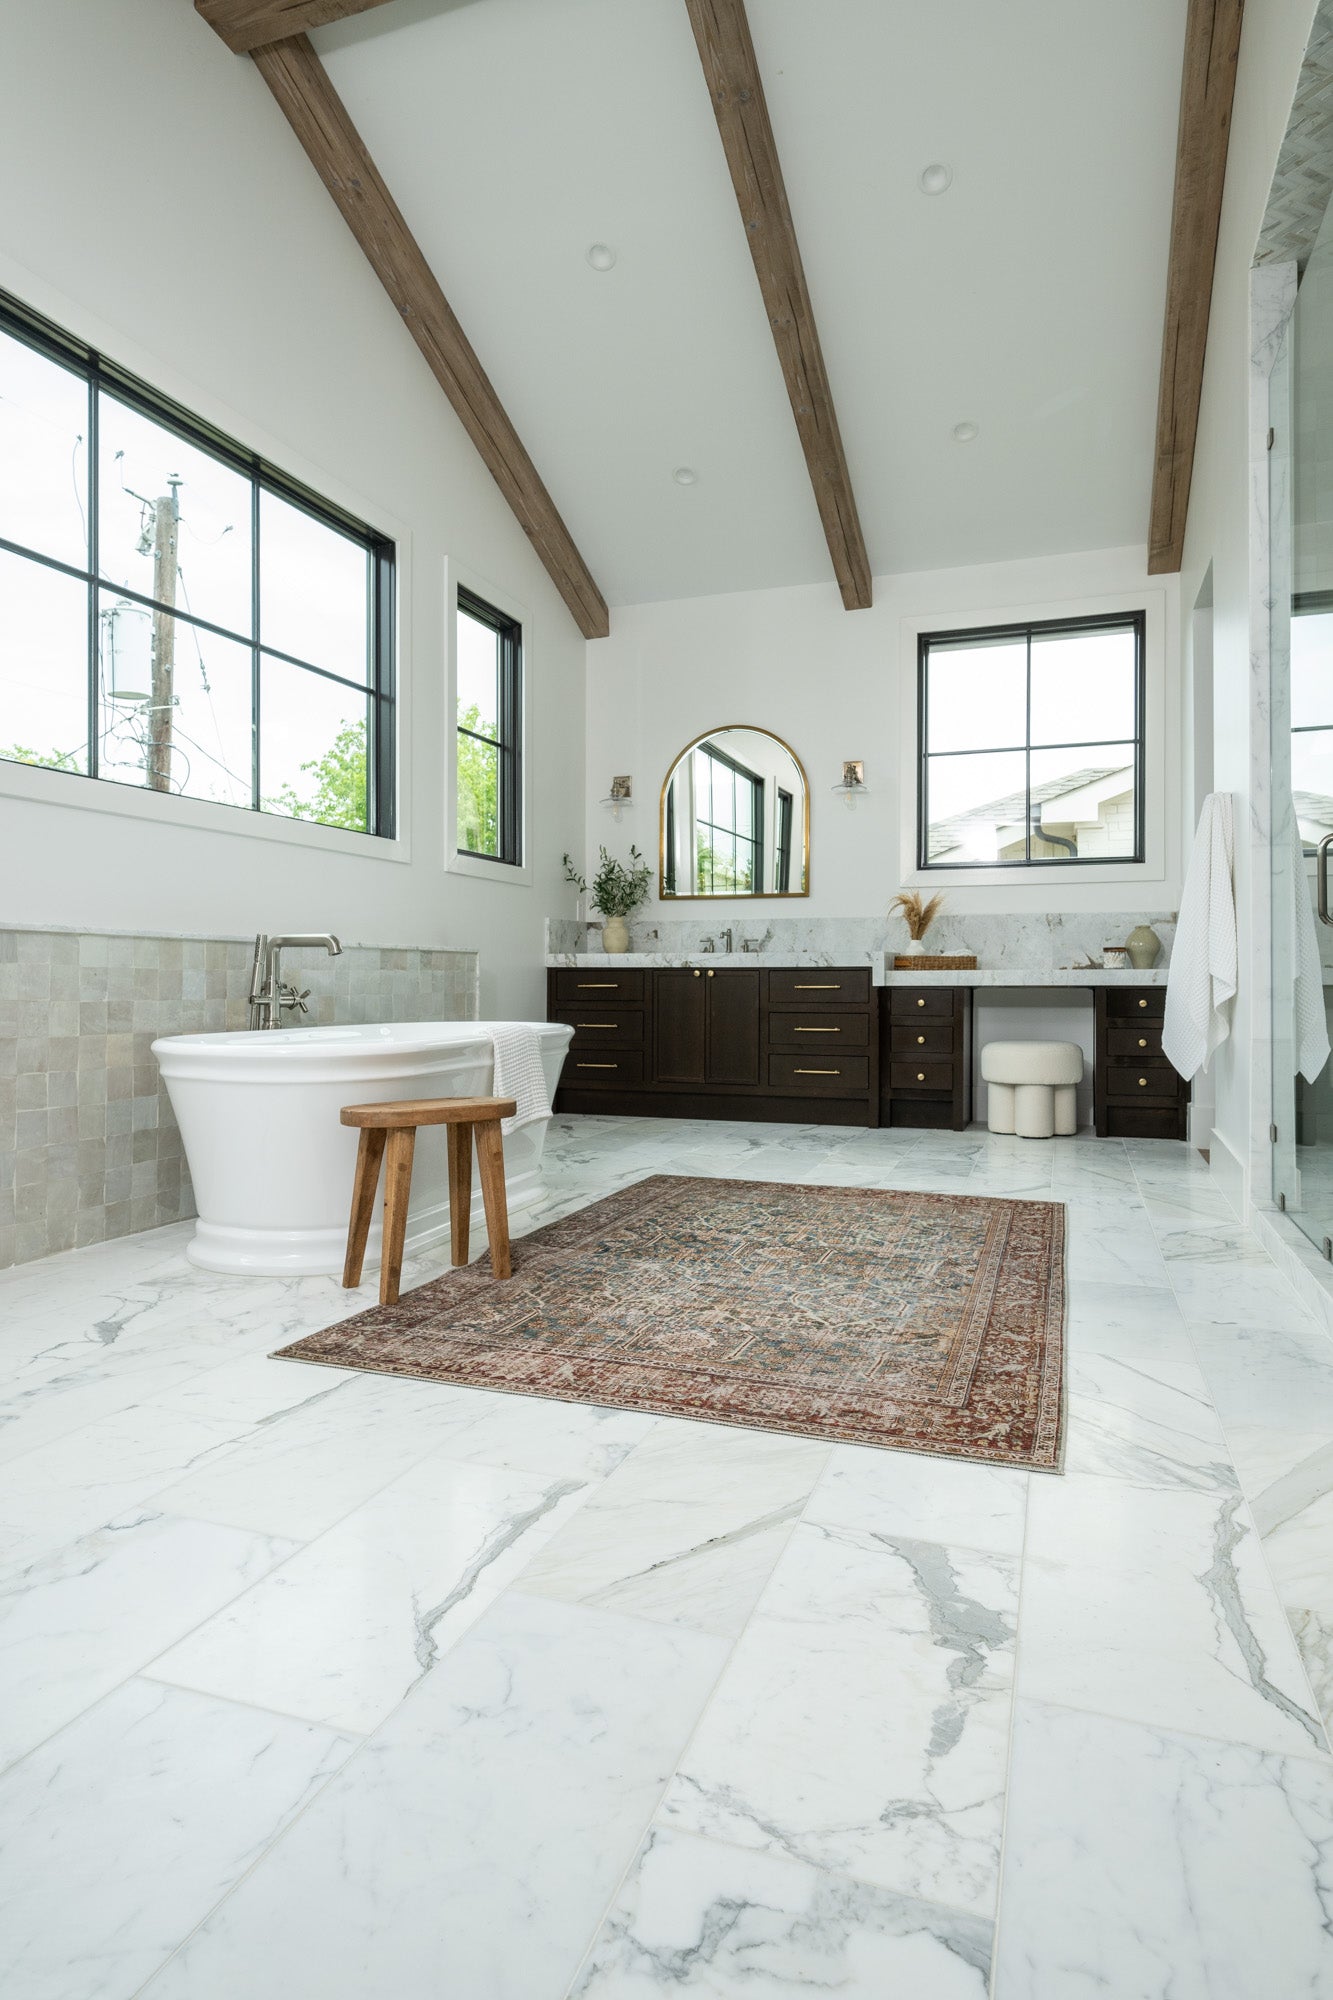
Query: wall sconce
[[620, 795], [853, 784]]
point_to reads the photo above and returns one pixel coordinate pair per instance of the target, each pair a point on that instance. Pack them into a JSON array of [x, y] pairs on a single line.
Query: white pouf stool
[[1031, 1087]]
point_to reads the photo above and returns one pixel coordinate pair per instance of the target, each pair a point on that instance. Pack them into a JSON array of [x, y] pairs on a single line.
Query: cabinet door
[[733, 1026], [681, 1038]]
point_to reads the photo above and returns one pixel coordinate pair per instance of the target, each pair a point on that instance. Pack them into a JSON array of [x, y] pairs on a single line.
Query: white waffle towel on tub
[[1309, 1016], [518, 1072], [1201, 979]]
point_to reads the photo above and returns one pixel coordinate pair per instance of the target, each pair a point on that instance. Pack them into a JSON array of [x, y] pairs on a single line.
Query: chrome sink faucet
[[268, 994], [726, 939]]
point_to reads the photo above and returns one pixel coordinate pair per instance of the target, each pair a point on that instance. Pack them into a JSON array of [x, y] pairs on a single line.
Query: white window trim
[[502, 874], [1152, 602]]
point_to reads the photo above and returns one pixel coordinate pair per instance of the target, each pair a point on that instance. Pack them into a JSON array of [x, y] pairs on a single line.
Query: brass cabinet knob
[[1142, 1082], [697, 973], [920, 1003], [921, 1041], [1142, 1043], [710, 972], [1143, 1003], [921, 1076]]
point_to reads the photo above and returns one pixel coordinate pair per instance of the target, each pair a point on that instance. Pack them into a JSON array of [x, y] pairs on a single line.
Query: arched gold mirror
[[735, 818]]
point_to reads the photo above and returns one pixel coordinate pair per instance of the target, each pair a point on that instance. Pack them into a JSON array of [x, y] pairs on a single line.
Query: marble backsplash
[[1033, 941], [89, 1148]]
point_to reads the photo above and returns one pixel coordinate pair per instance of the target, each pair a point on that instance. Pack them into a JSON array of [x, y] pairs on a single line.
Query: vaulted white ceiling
[[1027, 299]]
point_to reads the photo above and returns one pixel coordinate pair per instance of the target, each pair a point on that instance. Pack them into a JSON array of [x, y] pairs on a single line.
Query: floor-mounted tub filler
[[270, 1163]]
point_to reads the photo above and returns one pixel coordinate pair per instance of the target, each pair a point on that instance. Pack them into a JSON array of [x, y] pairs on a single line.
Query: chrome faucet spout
[[268, 995]]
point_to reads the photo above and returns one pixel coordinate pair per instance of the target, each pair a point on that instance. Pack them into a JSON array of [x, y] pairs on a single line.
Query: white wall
[[1229, 461], [838, 684], [157, 205]]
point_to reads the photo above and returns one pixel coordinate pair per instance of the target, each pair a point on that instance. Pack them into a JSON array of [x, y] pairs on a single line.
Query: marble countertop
[[995, 976]]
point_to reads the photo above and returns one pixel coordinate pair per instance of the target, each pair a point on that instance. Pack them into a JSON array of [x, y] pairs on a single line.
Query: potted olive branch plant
[[617, 892]]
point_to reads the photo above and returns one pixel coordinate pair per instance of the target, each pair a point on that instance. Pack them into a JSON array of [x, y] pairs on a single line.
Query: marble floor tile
[[1294, 1516], [1154, 1604], [697, 1917], [1149, 1866], [1113, 1251], [1271, 1375], [1147, 1420], [74, 1626], [895, 1493], [687, 1530], [1135, 1322], [1237, 1293], [343, 1630], [119, 1834], [472, 1847], [804, 1751]]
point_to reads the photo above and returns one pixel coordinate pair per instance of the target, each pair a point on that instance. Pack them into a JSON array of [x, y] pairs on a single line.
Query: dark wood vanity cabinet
[[706, 1026], [926, 1061], [1135, 1092], [785, 1044]]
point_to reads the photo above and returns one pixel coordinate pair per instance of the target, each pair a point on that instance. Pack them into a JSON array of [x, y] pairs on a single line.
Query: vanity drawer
[[920, 1074], [825, 1034], [1128, 1082], [910, 1002], [819, 986], [1135, 1003], [922, 1037], [1136, 1042], [624, 1067], [618, 1027], [589, 986], [823, 1074]]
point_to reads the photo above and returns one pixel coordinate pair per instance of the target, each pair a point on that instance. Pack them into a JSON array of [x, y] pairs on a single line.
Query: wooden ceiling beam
[[251, 24], [726, 51], [317, 115], [1208, 83]]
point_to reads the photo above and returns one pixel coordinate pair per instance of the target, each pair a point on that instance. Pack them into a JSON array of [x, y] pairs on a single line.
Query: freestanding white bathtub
[[272, 1166]]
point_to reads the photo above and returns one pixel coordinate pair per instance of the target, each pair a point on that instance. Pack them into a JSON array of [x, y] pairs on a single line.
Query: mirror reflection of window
[[1312, 714], [735, 818]]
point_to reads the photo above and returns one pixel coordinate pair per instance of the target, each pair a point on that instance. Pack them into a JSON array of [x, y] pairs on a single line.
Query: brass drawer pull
[[921, 1041], [1143, 1082], [921, 1076], [597, 1065], [920, 1003], [816, 1072], [599, 985], [606, 1026], [829, 986], [1143, 1003], [710, 972], [697, 973], [1142, 1043], [819, 1031]]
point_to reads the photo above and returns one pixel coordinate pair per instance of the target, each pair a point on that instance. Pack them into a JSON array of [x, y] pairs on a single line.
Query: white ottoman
[[1031, 1087]]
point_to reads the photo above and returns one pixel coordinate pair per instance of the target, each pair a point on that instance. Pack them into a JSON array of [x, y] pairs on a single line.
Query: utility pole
[[166, 524]]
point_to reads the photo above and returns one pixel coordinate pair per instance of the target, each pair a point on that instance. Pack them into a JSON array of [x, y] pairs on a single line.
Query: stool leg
[[491, 1159], [397, 1189], [1000, 1107], [368, 1156], [1066, 1110], [1034, 1110], [460, 1189]]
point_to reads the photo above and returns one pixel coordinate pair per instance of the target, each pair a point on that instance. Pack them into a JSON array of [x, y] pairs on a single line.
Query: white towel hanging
[[1201, 980], [518, 1071], [1308, 1014]]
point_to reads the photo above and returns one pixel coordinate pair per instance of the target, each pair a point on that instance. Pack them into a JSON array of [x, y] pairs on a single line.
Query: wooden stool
[[397, 1125]]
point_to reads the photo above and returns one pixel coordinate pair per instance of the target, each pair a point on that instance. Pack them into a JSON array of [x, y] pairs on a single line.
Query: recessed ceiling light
[[964, 433], [935, 178], [601, 256], [685, 475]]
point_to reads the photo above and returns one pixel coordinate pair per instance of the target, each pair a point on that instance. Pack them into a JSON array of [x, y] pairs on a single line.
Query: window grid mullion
[[92, 487]]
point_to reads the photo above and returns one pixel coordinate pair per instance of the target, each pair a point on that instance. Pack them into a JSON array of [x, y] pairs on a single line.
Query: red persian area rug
[[921, 1322]]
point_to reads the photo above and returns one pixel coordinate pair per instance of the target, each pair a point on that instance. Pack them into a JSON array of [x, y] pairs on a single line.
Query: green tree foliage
[[338, 797], [478, 788], [52, 760]]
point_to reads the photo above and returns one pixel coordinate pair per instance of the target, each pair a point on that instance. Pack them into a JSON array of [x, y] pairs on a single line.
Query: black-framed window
[[490, 730], [1031, 744], [729, 824], [176, 614]]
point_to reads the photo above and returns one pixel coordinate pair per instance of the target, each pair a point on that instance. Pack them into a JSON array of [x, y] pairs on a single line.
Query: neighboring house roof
[[947, 834]]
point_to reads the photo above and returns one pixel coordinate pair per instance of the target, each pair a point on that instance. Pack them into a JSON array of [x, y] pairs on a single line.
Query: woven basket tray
[[943, 961]]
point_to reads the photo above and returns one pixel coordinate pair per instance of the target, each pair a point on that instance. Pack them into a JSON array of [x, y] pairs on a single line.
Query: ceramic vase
[[615, 934], [1143, 945], [914, 948]]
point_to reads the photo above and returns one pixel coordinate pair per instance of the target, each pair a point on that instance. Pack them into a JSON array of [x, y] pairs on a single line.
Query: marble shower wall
[[89, 1148], [1035, 941]]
